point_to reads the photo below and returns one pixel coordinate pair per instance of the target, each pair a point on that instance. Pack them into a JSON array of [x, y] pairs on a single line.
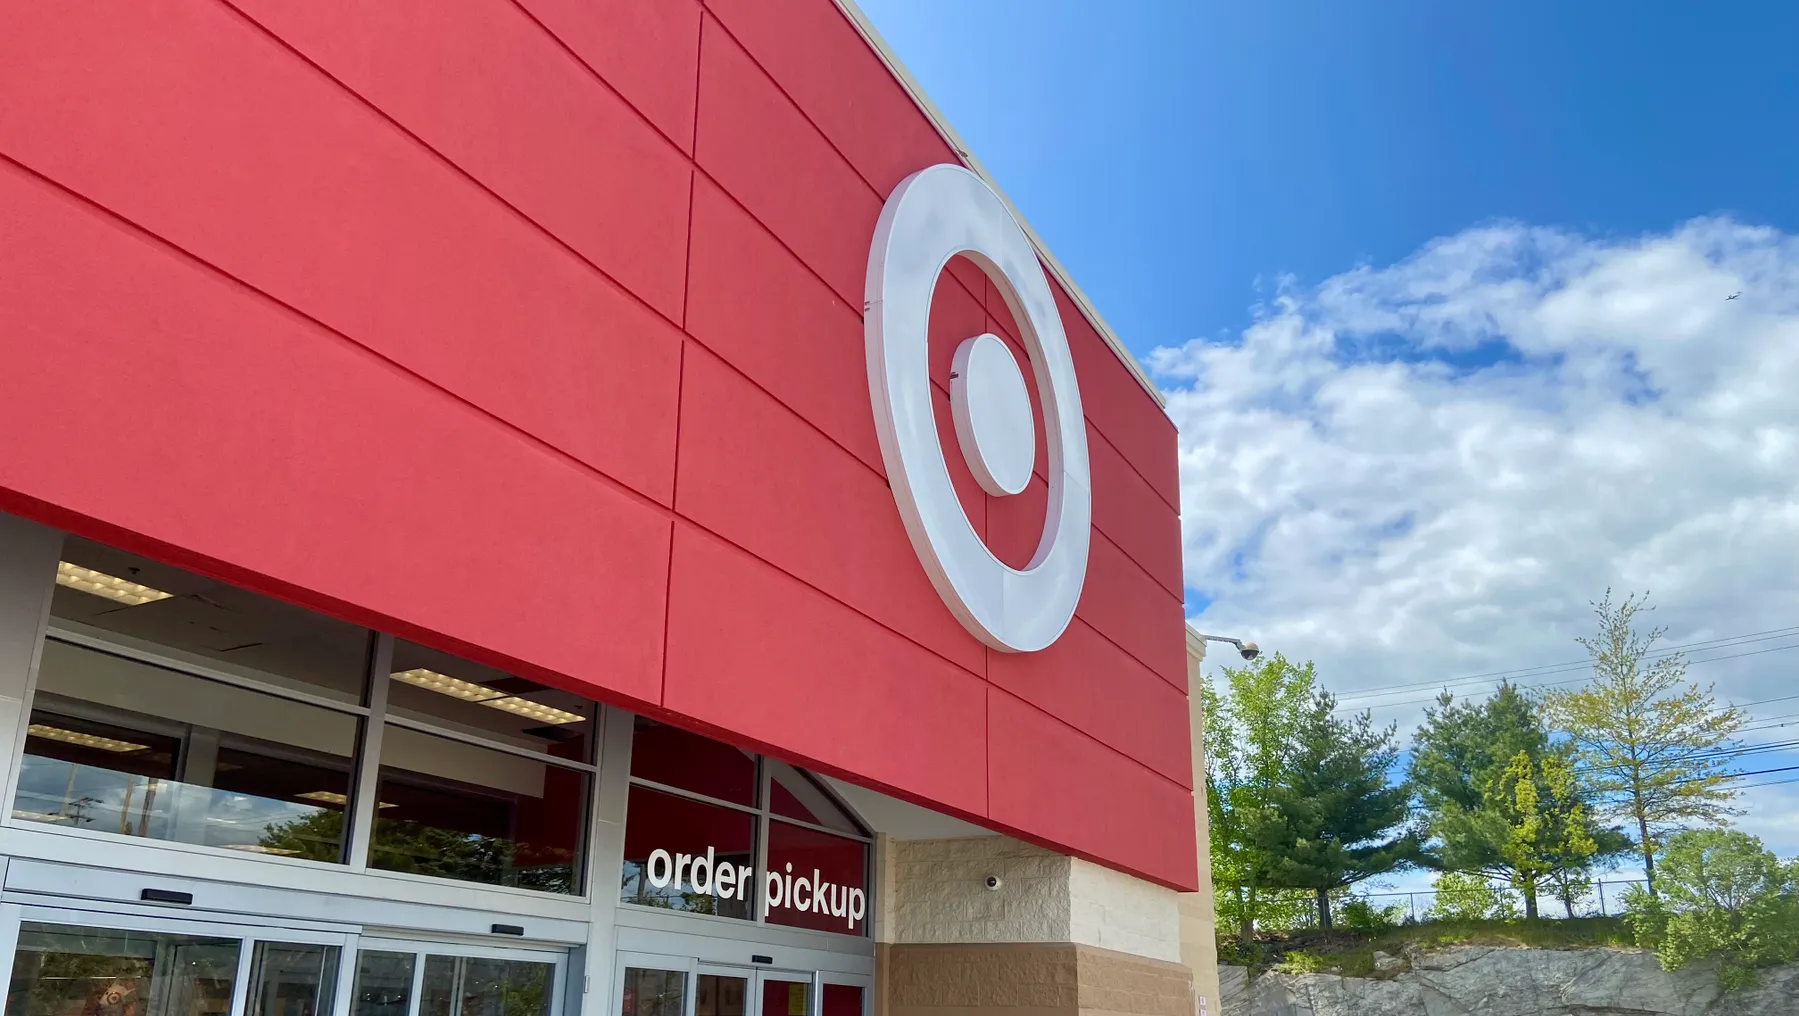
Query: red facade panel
[[758, 655], [759, 476], [146, 391], [193, 123], [648, 51], [820, 61], [1131, 710], [761, 149], [757, 306], [1051, 782], [407, 311], [520, 115]]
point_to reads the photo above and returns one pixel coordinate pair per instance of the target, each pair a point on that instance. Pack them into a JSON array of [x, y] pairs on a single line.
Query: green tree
[[1649, 748], [1337, 818], [1250, 724], [1463, 896], [1500, 798], [1723, 897]]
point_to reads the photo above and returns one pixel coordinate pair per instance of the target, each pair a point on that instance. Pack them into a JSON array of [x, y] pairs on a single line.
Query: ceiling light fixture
[[469, 691], [82, 740], [109, 587], [332, 797]]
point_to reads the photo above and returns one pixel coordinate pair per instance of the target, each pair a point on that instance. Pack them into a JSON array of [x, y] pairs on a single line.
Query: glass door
[[78, 963], [436, 979], [783, 993]]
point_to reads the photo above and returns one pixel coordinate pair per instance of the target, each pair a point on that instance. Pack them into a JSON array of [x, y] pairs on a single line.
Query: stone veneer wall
[[1028, 979], [1058, 937], [939, 894]]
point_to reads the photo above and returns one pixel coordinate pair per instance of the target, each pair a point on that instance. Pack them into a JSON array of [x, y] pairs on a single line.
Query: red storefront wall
[[531, 329]]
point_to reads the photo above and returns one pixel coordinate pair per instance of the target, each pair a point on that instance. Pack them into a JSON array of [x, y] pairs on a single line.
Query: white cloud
[[1425, 470]]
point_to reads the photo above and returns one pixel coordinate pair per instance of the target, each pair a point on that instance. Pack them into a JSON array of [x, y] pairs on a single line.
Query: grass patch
[[1351, 952]]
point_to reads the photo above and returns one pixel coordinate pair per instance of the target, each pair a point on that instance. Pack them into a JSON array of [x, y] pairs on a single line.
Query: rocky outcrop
[[1501, 981]]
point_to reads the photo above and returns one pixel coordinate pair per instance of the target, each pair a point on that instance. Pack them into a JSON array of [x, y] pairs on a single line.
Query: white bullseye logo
[[932, 216]]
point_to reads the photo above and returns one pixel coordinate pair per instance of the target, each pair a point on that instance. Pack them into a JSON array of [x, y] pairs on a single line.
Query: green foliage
[[1249, 725], [1648, 748], [1502, 801], [1336, 819], [1463, 896], [1359, 913], [1721, 897]]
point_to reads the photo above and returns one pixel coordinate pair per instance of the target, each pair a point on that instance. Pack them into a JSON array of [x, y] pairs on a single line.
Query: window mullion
[[368, 770]]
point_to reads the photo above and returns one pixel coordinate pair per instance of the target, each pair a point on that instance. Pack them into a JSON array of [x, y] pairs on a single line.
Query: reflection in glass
[[786, 998], [383, 984], [474, 699], [651, 992], [289, 979], [799, 795], [662, 826], [455, 810], [61, 970], [119, 746], [211, 622], [675, 758], [720, 995], [478, 986]]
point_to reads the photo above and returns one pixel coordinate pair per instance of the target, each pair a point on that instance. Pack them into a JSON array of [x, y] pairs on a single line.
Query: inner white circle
[[992, 410]]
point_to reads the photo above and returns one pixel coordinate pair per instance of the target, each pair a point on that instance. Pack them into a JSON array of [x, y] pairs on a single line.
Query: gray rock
[[1387, 962], [1498, 981]]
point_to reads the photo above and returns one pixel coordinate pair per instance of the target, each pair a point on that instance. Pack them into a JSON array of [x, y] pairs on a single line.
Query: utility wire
[[1744, 639], [1554, 684]]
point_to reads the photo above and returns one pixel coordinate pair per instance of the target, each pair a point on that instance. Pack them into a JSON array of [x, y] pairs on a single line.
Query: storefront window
[[678, 847], [797, 795], [123, 747], [675, 758], [682, 854], [61, 970], [469, 698], [451, 809], [816, 880], [197, 619]]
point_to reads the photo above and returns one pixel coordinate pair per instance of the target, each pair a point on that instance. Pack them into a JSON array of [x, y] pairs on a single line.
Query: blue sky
[[1437, 295], [1172, 153]]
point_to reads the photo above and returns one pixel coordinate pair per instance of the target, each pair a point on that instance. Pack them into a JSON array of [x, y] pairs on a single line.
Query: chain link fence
[[1295, 910]]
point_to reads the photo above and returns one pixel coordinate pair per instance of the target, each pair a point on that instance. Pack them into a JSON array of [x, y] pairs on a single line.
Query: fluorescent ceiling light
[[76, 737], [469, 691], [109, 587], [331, 797]]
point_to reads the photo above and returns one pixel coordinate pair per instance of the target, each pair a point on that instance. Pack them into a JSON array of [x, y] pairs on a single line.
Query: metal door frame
[[145, 919]]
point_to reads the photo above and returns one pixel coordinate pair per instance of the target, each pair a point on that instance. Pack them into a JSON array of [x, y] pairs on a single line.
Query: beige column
[[1199, 923]]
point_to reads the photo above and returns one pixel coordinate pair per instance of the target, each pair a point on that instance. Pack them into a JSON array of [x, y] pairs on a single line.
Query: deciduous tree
[[1652, 748], [1251, 722]]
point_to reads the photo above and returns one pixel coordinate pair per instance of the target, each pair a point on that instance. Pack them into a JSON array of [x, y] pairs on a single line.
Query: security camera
[[993, 883], [1249, 650]]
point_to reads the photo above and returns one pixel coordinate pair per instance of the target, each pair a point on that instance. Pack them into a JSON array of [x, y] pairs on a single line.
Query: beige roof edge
[[938, 120]]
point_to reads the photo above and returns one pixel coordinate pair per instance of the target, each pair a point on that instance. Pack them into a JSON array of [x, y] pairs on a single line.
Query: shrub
[[1719, 895], [1463, 896], [1358, 913]]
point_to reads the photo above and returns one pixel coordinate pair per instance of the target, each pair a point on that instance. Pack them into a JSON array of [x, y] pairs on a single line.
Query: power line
[[1744, 639], [1554, 684]]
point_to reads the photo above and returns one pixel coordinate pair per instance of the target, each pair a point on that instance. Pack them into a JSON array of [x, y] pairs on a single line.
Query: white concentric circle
[[932, 216], [992, 412]]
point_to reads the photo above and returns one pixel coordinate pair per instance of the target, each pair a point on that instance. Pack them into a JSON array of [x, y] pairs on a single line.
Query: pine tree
[[1337, 817], [1652, 752]]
